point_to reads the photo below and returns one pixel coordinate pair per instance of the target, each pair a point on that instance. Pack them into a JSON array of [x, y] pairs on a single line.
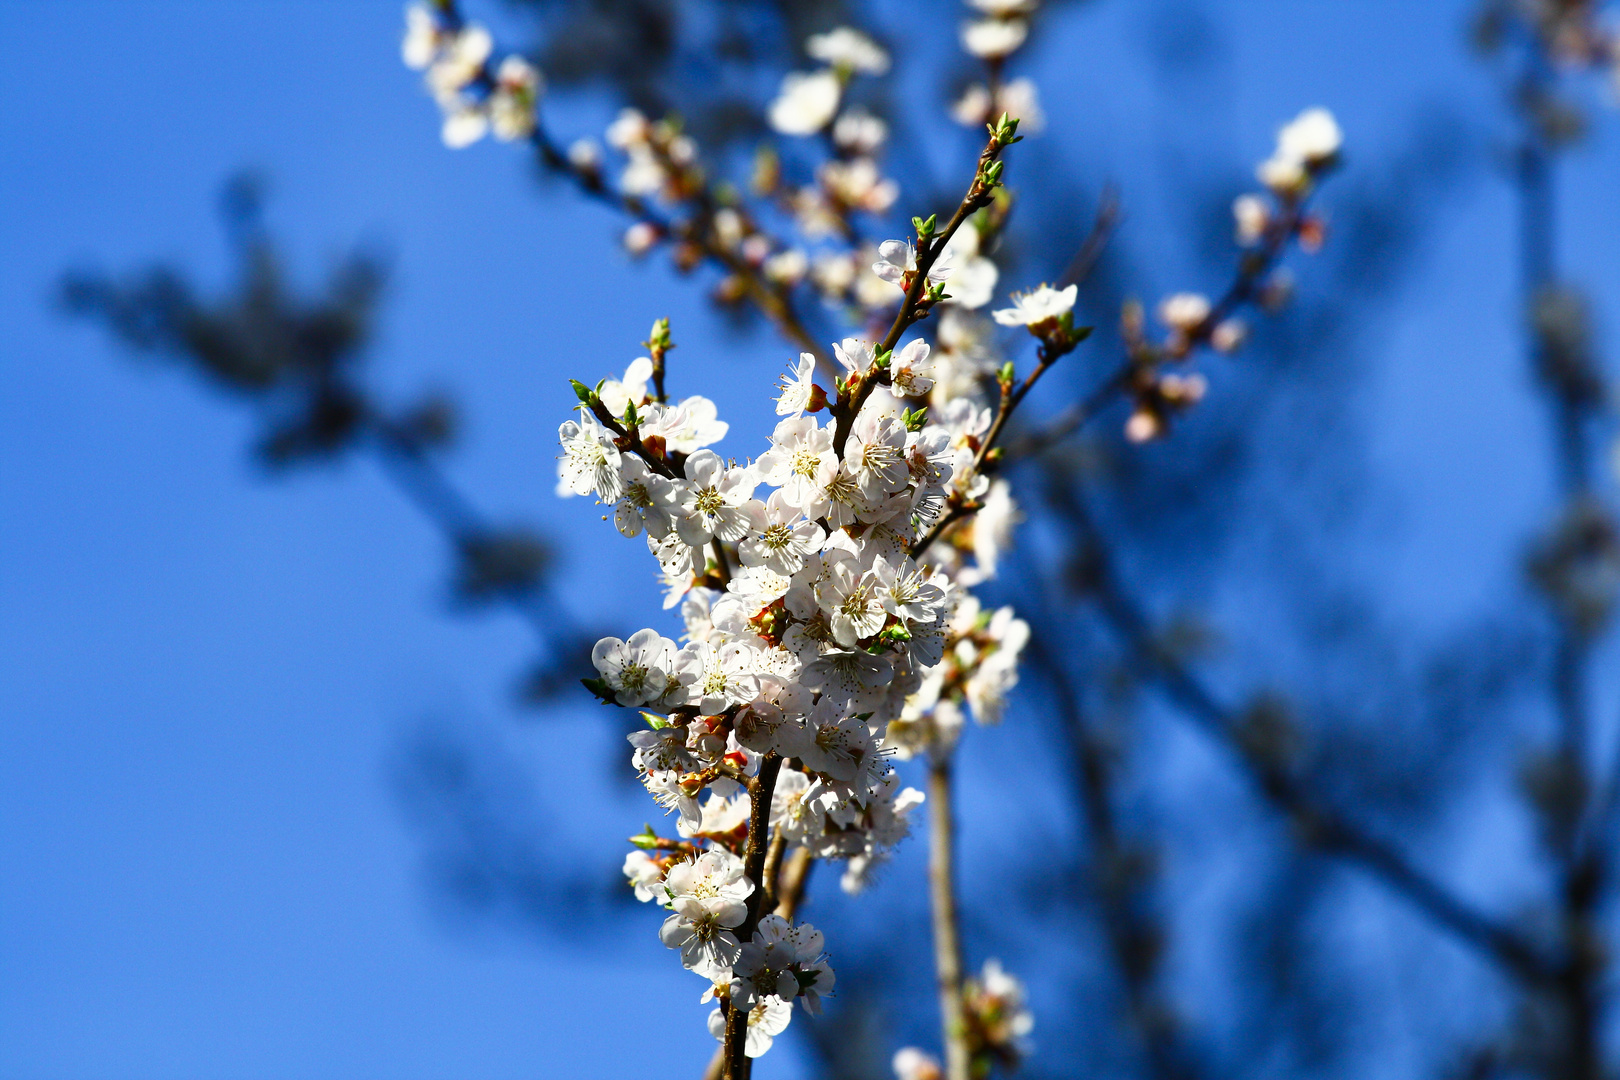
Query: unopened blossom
[[646, 877], [808, 101], [801, 463], [1312, 137], [640, 237], [897, 259], [1250, 215], [590, 462], [797, 387], [1185, 312], [714, 499], [1040, 310], [638, 669], [909, 369], [787, 267], [846, 47], [719, 678], [459, 61], [911, 1063], [994, 39], [1306, 144], [1228, 335], [766, 1020], [779, 536], [858, 184]]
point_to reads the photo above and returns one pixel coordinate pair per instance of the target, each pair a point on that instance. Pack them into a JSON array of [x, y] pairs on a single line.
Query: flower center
[[806, 463], [632, 677], [708, 501], [777, 536]]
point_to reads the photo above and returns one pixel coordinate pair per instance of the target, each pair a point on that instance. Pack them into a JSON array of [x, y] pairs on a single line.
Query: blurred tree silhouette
[[1195, 586]]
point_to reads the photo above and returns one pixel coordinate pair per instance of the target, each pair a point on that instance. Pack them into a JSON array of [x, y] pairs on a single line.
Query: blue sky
[[203, 672]]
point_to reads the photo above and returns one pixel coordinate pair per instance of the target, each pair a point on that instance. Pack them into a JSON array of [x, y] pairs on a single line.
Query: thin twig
[[947, 933], [912, 306], [1319, 824], [759, 818]]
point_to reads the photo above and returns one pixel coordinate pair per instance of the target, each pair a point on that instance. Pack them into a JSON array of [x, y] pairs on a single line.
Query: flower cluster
[[1000, 29], [475, 100], [1307, 147], [813, 639]]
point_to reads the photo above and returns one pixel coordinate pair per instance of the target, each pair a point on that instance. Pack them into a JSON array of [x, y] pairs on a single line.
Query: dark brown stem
[[911, 306], [947, 933], [759, 817]]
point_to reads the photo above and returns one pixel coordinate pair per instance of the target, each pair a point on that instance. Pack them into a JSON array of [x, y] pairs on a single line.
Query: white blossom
[[807, 102], [1185, 312], [590, 461], [911, 1063], [512, 102], [714, 499], [718, 677], [638, 670], [994, 39], [1251, 216], [764, 967], [779, 536], [766, 1020], [618, 393], [698, 426], [797, 387], [645, 875], [910, 371], [846, 47], [898, 258], [707, 901], [801, 463], [857, 131], [1039, 308], [646, 500], [838, 742]]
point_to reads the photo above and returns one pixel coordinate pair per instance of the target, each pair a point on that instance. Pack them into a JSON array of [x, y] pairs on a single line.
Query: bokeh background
[[270, 803]]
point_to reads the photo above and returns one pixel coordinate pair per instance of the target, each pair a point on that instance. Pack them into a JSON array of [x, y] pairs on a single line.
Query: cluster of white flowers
[[1000, 29], [1306, 145], [996, 1023], [813, 639], [809, 100], [475, 100]]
